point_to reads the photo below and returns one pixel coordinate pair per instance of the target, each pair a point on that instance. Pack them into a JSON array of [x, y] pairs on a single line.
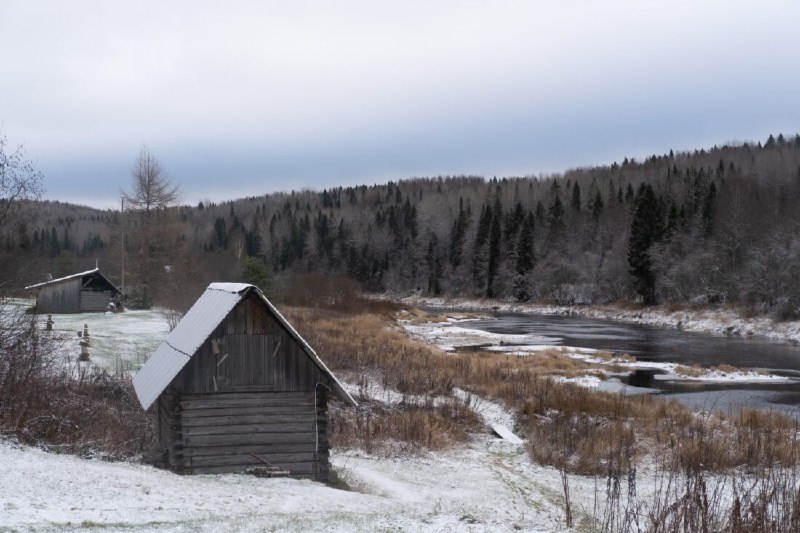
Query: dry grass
[[389, 430], [694, 371]]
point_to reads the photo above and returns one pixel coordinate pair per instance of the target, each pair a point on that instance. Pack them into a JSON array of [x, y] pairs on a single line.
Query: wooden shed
[[235, 387], [79, 293]]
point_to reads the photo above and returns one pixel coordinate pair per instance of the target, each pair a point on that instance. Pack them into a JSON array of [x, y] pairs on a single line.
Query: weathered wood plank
[[243, 395], [245, 459], [294, 468], [252, 438], [283, 427], [263, 401], [231, 420], [281, 447], [250, 410]]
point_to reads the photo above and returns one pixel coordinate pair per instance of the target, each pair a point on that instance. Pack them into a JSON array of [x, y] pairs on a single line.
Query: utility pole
[[122, 240]]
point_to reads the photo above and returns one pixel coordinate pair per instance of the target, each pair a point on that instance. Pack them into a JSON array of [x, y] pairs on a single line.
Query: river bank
[[719, 321]]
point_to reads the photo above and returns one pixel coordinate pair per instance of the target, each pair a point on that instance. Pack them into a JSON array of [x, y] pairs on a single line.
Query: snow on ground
[[722, 321], [448, 336], [119, 341], [489, 484], [486, 486]]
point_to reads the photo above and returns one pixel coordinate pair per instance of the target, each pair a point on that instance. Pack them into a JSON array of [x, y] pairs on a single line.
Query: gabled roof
[[195, 327], [73, 276]]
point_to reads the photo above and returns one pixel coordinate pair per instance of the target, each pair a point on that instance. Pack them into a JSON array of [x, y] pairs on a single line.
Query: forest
[[707, 227]]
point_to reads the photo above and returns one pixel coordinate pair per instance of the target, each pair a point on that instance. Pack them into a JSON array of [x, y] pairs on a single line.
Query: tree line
[[708, 227]]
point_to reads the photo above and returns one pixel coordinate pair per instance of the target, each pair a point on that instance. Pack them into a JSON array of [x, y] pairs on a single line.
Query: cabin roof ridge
[[197, 325]]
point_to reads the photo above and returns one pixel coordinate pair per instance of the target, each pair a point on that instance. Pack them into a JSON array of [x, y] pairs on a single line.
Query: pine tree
[[596, 206], [495, 236], [709, 209], [576, 197], [458, 234], [434, 266], [646, 230], [525, 255], [479, 246], [555, 225]]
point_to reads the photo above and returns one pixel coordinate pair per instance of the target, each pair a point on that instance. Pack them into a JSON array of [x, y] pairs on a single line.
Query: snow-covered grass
[[119, 341]]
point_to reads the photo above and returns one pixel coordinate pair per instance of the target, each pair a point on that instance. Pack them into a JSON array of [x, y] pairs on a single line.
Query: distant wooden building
[[79, 293], [236, 387]]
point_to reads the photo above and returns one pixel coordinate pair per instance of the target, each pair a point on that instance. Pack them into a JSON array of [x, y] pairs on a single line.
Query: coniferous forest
[[711, 226]]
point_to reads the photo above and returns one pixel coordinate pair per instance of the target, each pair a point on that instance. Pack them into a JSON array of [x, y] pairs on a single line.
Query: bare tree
[[152, 188], [20, 183], [155, 237]]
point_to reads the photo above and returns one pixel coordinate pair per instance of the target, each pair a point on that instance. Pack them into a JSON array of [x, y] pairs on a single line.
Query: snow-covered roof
[[71, 276], [195, 327]]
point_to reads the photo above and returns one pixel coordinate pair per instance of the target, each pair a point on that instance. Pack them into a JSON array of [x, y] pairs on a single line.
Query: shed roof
[[72, 276], [195, 327]]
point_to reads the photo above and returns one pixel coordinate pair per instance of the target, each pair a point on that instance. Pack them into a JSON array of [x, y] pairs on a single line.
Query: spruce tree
[[434, 266], [555, 225], [495, 236], [707, 214], [646, 230], [576, 197], [458, 234]]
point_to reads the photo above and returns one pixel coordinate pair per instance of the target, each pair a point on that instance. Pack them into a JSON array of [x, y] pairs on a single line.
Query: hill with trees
[[718, 225]]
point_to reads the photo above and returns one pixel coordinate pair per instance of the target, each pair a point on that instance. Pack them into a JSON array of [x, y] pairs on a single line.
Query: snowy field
[[488, 485], [119, 341]]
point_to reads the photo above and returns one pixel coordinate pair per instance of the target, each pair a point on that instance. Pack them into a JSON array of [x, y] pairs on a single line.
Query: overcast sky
[[245, 98]]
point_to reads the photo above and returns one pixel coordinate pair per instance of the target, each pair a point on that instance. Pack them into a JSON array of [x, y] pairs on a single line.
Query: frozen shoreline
[[713, 321], [453, 334]]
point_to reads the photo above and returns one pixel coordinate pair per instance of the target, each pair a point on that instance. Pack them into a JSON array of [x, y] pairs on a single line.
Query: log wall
[[235, 431]]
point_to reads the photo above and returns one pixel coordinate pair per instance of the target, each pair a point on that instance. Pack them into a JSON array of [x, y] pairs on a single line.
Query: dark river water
[[649, 343]]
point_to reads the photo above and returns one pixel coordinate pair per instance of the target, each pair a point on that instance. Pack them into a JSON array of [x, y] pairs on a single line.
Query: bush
[[255, 272], [46, 402]]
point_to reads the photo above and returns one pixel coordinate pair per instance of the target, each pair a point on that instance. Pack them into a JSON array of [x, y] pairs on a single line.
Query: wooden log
[[296, 469], [276, 459], [252, 410], [253, 438], [265, 401], [230, 420], [283, 427], [266, 449]]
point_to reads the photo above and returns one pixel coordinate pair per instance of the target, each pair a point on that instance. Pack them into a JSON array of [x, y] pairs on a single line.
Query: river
[[652, 344]]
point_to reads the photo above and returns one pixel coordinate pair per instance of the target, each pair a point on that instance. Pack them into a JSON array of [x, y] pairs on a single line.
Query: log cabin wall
[[249, 397], [231, 432]]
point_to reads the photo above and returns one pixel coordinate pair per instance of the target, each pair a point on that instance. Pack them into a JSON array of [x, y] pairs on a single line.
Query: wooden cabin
[[84, 292], [235, 387]]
